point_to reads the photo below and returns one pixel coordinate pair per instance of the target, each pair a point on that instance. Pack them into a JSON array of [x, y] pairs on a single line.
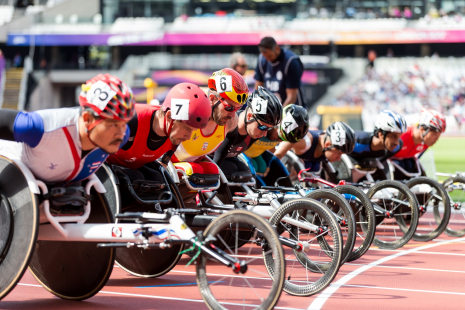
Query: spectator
[[238, 63], [280, 70], [17, 60]]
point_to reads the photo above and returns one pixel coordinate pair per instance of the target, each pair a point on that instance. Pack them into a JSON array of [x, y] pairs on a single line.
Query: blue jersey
[[48, 143], [363, 147], [309, 156], [285, 72]]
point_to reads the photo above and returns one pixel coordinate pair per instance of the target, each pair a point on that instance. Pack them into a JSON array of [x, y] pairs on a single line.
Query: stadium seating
[[6, 13]]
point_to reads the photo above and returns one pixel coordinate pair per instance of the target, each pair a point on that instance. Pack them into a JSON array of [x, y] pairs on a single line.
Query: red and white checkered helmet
[[109, 97], [433, 120]]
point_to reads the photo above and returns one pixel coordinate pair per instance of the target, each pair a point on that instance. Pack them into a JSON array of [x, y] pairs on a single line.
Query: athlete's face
[[333, 154], [180, 132], [252, 127], [108, 134], [392, 140], [431, 137], [220, 115]]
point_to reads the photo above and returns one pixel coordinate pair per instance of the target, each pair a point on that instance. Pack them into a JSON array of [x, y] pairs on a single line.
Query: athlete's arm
[[257, 83], [21, 127], [222, 151], [291, 98], [258, 74], [282, 149]]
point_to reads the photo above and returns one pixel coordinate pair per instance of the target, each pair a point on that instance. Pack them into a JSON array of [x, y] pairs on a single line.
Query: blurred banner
[[250, 38]]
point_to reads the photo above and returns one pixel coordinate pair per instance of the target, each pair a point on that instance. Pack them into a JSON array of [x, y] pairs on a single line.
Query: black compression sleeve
[[7, 122], [223, 149]]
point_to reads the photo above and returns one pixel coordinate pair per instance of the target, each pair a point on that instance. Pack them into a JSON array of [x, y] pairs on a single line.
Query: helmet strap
[[424, 135], [246, 121], [326, 148], [167, 132]]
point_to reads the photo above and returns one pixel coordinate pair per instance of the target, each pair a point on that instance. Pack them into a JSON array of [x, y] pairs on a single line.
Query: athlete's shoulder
[[54, 119]]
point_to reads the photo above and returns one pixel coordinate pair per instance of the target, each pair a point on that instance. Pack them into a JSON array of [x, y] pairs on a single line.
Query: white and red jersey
[[48, 143], [409, 149]]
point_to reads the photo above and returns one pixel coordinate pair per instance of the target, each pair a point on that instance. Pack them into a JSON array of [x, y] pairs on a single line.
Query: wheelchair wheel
[[292, 167], [455, 188], [75, 270], [364, 218], [434, 206], [317, 268], [254, 288], [19, 223], [342, 210], [148, 263], [396, 214]]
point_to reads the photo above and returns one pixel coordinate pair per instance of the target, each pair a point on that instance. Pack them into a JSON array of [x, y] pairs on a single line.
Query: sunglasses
[[228, 107], [242, 66], [262, 127]]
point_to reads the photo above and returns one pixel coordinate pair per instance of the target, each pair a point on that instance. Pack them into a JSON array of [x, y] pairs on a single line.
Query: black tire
[[209, 290], [139, 262], [318, 279], [437, 203], [364, 219], [338, 205], [75, 270], [455, 187], [401, 192], [19, 210], [292, 167]]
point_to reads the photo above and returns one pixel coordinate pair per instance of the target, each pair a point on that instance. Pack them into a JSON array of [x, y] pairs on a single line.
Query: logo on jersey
[[131, 160], [219, 136], [117, 232], [96, 165], [143, 155], [52, 166], [195, 137], [204, 146], [239, 149], [279, 75]]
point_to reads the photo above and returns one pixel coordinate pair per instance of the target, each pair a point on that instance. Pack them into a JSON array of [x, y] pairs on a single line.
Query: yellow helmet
[[239, 90]]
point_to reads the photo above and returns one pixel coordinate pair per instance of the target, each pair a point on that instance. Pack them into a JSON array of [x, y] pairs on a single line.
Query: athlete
[[383, 143], [417, 139], [158, 130], [318, 146], [293, 127], [227, 93], [262, 114], [65, 146]]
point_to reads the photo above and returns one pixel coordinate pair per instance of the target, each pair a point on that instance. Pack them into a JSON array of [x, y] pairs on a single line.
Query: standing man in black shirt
[[280, 70]]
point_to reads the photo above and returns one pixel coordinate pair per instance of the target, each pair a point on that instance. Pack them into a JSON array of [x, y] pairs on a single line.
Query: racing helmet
[[295, 123], [229, 84], [342, 137], [265, 106], [432, 119], [390, 121], [108, 97], [189, 104]]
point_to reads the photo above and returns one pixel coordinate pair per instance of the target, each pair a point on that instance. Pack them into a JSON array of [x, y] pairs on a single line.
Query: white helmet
[[432, 119], [390, 121]]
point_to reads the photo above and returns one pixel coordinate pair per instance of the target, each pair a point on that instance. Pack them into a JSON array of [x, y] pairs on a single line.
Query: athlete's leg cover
[[235, 170], [276, 170], [201, 173]]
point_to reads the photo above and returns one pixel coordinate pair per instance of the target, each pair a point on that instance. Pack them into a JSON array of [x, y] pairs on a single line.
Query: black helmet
[[295, 123], [265, 106], [342, 136]]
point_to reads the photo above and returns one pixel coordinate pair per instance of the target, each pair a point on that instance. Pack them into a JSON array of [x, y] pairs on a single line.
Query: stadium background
[[51, 47]]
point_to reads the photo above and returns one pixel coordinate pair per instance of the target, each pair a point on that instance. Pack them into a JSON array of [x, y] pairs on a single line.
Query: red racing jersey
[[409, 149], [139, 154]]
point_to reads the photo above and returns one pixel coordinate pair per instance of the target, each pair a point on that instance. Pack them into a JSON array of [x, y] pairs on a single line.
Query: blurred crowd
[[407, 90]]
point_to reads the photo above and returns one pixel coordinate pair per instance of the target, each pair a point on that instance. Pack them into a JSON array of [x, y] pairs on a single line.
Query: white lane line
[[324, 296], [409, 268], [171, 298], [422, 252], [405, 289]]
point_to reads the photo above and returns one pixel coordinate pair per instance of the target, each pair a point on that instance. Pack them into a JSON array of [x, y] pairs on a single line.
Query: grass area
[[449, 154]]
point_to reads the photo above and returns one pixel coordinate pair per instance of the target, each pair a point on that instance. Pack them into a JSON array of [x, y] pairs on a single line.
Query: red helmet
[[109, 97], [433, 120], [239, 90], [188, 103]]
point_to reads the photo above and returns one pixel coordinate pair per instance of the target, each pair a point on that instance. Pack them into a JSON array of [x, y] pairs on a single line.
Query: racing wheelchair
[[73, 256]]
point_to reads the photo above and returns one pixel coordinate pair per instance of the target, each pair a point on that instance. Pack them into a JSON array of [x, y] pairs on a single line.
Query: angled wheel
[[75, 270], [148, 263], [19, 222], [455, 187]]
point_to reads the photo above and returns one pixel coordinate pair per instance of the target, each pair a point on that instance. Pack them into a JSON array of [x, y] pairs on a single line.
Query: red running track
[[417, 276]]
